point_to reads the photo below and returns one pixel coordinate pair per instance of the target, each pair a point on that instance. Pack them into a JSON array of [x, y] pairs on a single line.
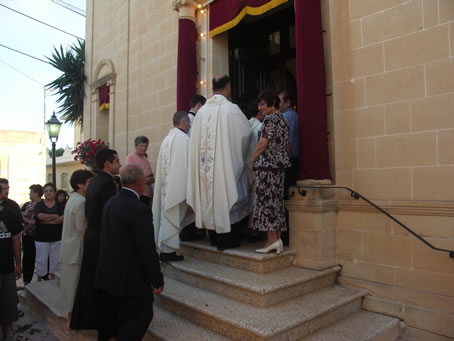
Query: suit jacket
[[74, 225], [100, 189], [128, 264]]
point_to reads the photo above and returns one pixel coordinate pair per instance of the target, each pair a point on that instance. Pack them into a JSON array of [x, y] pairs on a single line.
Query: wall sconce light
[[202, 11], [199, 6], [202, 35], [202, 83]]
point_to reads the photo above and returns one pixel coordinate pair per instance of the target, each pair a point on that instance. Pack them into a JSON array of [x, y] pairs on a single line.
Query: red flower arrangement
[[85, 151]]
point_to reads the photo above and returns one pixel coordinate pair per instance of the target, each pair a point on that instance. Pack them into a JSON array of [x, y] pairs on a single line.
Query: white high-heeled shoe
[[275, 246], [281, 244]]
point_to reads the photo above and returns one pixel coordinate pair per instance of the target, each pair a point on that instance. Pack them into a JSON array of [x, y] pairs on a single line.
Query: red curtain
[[310, 72], [104, 97], [186, 63], [225, 14]]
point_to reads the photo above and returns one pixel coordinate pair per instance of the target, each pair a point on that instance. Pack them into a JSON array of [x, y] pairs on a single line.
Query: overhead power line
[[55, 28], [70, 7], [25, 54], [23, 74]]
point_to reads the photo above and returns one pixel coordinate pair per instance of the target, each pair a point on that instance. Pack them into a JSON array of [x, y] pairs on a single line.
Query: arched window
[[64, 181]]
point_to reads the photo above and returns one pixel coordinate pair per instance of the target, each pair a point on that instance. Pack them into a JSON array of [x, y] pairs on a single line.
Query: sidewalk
[[29, 327]]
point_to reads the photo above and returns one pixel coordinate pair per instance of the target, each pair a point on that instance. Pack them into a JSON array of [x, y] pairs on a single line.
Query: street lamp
[[53, 129]]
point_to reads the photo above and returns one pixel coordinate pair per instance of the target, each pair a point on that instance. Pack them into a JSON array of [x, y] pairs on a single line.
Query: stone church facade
[[388, 132]]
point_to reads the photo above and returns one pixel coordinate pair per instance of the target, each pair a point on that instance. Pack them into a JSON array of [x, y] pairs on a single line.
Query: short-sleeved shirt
[[292, 120], [28, 210], [10, 226], [275, 156], [48, 232], [145, 165]]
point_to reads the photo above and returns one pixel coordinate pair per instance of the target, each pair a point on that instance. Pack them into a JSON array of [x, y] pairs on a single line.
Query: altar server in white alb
[[170, 211], [218, 175]]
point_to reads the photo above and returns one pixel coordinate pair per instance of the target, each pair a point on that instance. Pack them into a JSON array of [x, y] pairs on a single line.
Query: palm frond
[[69, 87]]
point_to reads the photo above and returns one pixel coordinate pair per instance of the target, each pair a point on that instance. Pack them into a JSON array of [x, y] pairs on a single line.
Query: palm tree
[[70, 85]]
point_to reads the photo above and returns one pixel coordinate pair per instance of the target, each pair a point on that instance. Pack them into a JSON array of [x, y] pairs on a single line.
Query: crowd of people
[[218, 170]]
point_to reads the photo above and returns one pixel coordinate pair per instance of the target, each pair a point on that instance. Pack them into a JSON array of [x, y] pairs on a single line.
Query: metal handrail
[[357, 196]]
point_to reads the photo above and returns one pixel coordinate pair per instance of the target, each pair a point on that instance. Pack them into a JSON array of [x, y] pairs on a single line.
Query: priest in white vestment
[[219, 179], [170, 211]]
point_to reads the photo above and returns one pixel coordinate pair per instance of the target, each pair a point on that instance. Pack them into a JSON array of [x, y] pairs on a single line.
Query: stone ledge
[[258, 289], [297, 318], [243, 257]]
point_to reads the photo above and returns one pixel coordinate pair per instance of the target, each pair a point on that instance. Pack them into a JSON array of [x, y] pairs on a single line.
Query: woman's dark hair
[[270, 98], [141, 139], [104, 155], [62, 191], [80, 177], [50, 184], [38, 189]]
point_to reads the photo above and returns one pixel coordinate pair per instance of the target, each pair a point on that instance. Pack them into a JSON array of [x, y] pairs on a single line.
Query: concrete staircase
[[239, 294]]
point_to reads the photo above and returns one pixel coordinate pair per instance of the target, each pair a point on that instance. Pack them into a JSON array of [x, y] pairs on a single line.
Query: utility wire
[[25, 54], [70, 7], [55, 28], [23, 74]]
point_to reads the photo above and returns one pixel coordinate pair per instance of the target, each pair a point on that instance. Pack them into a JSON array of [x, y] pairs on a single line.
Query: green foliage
[[70, 85], [58, 152]]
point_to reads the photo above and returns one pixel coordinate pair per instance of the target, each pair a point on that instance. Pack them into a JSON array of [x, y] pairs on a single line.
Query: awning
[[226, 14]]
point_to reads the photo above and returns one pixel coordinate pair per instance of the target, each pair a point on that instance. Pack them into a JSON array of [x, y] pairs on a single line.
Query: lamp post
[[53, 129]]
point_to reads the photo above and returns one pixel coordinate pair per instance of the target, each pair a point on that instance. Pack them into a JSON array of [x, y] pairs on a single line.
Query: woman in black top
[[49, 222]]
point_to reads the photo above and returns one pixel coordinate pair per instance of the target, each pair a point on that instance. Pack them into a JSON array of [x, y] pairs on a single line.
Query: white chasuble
[[219, 178], [170, 211]]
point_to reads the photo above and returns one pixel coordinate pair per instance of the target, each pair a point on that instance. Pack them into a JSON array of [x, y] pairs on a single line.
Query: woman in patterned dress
[[269, 162]]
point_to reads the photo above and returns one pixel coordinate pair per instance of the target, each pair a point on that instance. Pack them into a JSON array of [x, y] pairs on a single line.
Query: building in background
[[22, 161], [374, 86]]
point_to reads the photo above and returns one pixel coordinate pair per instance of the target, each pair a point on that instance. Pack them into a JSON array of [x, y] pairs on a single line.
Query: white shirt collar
[[133, 191]]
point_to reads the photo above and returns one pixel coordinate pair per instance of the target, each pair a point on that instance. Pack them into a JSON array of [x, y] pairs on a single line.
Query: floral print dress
[[268, 213]]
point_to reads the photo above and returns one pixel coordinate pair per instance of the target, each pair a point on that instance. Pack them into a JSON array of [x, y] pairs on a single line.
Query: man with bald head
[[219, 178], [128, 266]]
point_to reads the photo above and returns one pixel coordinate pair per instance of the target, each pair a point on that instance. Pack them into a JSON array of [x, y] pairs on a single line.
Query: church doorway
[[262, 54]]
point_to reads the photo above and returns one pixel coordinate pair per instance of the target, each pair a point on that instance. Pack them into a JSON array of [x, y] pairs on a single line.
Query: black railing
[[302, 191]]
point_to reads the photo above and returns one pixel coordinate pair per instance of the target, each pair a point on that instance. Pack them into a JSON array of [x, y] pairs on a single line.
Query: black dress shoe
[[170, 257]]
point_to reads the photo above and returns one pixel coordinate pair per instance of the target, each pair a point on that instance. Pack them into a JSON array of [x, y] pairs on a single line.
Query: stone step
[[290, 320], [360, 326], [170, 327], [243, 257], [43, 300], [259, 289]]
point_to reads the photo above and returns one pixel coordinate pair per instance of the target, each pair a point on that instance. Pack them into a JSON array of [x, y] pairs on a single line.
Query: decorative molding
[[419, 208], [312, 206], [177, 4]]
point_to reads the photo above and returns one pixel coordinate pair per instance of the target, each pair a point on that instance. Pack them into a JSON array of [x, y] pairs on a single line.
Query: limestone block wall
[[140, 39], [392, 82], [379, 255], [390, 73]]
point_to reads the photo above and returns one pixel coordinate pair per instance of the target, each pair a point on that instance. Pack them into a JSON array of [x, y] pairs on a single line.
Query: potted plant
[[85, 152]]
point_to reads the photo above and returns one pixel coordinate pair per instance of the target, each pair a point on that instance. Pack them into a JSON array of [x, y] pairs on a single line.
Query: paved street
[[29, 327]]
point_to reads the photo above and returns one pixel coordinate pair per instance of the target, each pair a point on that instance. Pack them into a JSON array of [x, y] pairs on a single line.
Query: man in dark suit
[[86, 312], [128, 266]]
